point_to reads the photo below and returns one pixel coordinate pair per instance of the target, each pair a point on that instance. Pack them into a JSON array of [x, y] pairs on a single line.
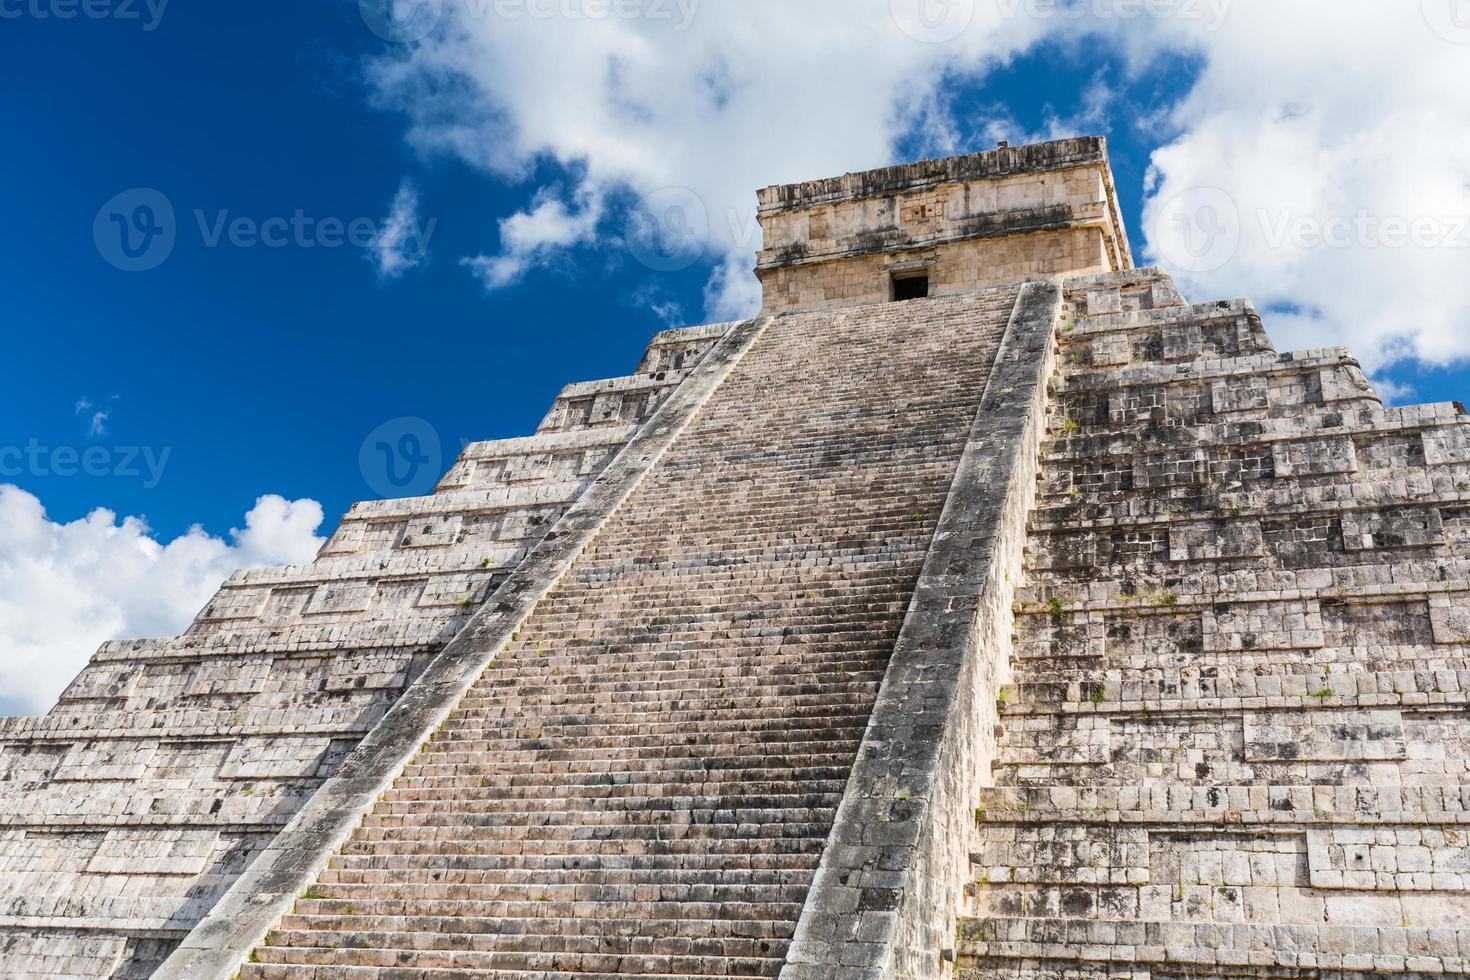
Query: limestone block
[[1389, 858], [285, 605], [1159, 634], [103, 682], [348, 597], [1240, 394], [187, 763], [431, 531], [1183, 341], [1216, 540], [105, 760], [280, 757], [1102, 301], [229, 677], [23, 765], [1136, 404], [62, 956], [1072, 855], [454, 590], [397, 594], [368, 672], [527, 466], [1324, 736], [1447, 445], [154, 852], [1378, 624], [606, 407], [1314, 457], [1111, 351], [1399, 528], [346, 540], [1295, 625], [1344, 382], [1162, 293], [236, 603], [1449, 616], [1171, 469]]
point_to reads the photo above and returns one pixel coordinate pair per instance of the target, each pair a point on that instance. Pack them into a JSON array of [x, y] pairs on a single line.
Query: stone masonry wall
[[1000, 216], [953, 268], [168, 765], [1236, 743]]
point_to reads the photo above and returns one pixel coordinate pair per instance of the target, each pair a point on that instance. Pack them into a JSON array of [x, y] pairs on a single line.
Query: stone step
[[748, 866], [1382, 949], [437, 794], [569, 907], [559, 875], [699, 847]]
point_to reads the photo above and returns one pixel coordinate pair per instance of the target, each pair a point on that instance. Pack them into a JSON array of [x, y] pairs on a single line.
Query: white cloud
[[752, 93], [1335, 127], [531, 237], [1303, 113], [65, 588], [96, 417], [402, 243]]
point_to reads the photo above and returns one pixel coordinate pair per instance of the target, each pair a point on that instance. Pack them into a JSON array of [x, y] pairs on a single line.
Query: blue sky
[[231, 371], [260, 369]]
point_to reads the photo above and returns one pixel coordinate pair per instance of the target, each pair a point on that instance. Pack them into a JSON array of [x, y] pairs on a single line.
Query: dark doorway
[[910, 287]]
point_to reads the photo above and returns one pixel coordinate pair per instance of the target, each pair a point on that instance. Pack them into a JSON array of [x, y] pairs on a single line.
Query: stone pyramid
[[981, 609]]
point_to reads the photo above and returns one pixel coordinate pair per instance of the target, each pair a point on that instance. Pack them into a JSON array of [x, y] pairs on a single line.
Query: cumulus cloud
[[1338, 136], [1314, 115], [531, 237], [402, 243], [66, 588], [706, 102], [96, 418]]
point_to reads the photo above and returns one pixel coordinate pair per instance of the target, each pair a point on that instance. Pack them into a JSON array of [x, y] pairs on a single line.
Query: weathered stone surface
[[1048, 628], [168, 766], [1252, 574]]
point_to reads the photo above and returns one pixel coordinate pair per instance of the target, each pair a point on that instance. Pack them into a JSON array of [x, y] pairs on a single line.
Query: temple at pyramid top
[[942, 227]]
